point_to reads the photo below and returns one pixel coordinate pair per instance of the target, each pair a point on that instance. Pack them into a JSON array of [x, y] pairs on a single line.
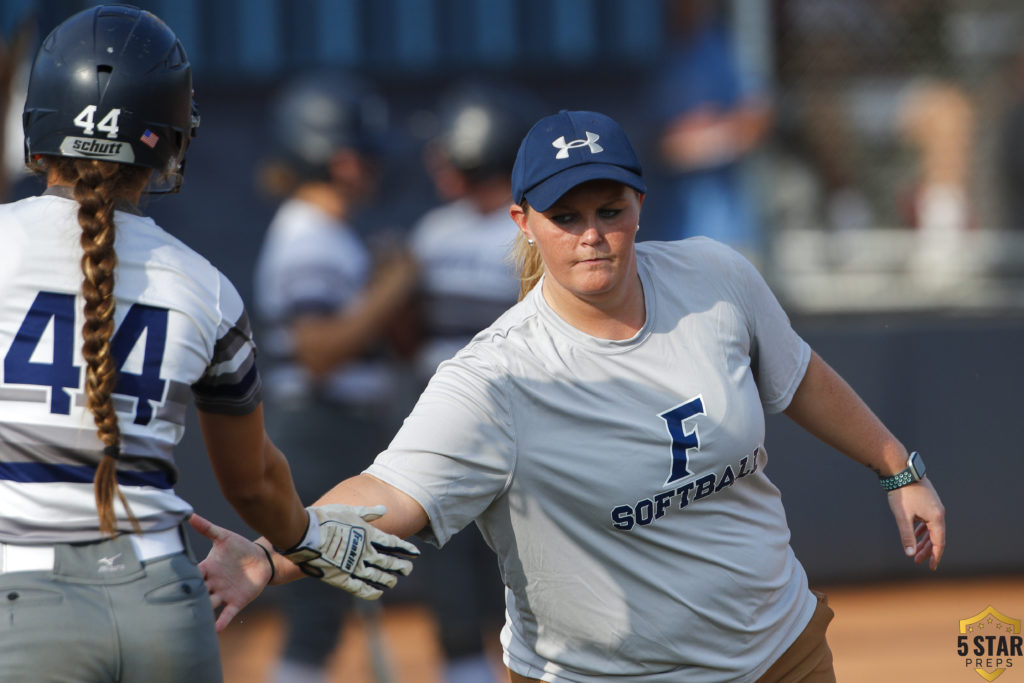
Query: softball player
[[607, 436], [324, 304], [462, 247], [467, 280], [107, 324]]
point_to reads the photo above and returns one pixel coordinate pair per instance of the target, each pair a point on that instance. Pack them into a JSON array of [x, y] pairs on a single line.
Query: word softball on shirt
[[648, 510], [684, 440]]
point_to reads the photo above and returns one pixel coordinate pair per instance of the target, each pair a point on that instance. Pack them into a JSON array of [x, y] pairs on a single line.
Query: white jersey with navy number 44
[[180, 330], [622, 483]]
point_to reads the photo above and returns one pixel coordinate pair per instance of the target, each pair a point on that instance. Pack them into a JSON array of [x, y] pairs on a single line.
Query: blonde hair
[[96, 186], [527, 260]]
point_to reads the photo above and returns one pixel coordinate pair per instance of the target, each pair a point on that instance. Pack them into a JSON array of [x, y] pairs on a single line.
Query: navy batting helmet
[[112, 83], [320, 113], [481, 126]]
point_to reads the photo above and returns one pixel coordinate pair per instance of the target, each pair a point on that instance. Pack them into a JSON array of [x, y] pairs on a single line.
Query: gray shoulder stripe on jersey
[[24, 395], [227, 346], [219, 379], [73, 446]]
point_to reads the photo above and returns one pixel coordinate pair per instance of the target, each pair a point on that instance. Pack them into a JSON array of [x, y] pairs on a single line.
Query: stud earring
[[530, 242]]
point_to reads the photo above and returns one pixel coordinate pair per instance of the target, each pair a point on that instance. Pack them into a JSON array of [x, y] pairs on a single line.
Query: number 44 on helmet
[[130, 100]]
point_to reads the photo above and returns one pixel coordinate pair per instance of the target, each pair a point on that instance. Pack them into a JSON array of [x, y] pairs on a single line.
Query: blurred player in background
[[325, 306], [467, 280], [607, 436], [710, 115], [467, 277], [107, 324]]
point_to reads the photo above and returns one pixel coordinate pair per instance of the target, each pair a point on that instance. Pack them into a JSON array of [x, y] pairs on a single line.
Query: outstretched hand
[[235, 571], [921, 520]]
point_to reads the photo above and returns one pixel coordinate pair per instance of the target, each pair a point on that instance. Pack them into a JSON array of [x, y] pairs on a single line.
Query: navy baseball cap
[[568, 148]]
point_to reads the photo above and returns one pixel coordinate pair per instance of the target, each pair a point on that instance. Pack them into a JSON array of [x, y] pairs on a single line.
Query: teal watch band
[[913, 472]]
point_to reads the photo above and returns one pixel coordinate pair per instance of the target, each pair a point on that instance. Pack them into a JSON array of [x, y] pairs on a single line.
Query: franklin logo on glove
[[355, 549], [335, 550]]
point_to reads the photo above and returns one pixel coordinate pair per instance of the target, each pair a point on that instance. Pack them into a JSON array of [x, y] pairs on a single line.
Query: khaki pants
[[807, 660]]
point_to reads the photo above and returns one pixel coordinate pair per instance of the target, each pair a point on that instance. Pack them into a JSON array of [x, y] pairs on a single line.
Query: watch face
[[917, 465]]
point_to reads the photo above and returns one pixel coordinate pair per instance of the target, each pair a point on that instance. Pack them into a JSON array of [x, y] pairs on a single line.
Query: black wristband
[[273, 572], [298, 544]]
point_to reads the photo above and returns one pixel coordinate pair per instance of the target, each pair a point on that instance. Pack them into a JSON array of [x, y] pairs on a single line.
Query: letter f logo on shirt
[[683, 441], [563, 147]]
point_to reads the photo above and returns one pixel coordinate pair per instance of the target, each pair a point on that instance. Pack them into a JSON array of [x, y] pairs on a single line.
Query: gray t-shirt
[[621, 483]]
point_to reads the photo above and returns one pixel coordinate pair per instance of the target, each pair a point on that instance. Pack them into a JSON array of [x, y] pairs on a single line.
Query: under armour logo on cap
[[564, 147], [540, 178]]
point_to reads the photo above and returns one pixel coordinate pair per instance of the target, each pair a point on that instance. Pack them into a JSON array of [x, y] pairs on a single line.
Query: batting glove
[[344, 550]]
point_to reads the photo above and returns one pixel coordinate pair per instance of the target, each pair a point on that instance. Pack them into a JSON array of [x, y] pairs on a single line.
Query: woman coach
[[607, 436]]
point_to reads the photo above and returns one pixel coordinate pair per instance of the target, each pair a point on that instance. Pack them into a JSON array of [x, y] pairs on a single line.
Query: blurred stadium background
[[870, 101]]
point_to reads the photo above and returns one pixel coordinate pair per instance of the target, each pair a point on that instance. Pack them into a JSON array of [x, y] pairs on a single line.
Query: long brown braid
[[97, 185]]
